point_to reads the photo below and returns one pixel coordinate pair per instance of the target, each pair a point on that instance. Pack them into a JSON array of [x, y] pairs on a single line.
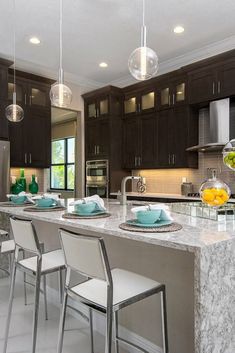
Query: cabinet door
[[130, 143], [226, 80], [103, 139], [3, 82], [148, 139], [17, 147], [163, 138], [38, 94], [202, 86], [179, 95], [178, 138], [21, 91], [4, 134], [131, 105], [148, 101], [102, 106], [38, 138], [92, 138]]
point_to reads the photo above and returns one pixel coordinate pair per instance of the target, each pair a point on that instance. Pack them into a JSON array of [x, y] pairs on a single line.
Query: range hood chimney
[[214, 130]]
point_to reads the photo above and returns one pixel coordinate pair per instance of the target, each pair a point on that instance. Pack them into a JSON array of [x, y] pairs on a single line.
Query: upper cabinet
[[213, 81], [139, 102], [172, 91], [97, 107], [31, 138], [4, 64]]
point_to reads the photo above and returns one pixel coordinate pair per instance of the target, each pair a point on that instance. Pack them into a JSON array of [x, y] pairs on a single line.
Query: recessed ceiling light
[[178, 29], [103, 64], [34, 40]]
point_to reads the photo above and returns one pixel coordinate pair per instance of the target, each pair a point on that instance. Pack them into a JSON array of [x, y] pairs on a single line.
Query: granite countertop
[[196, 233]]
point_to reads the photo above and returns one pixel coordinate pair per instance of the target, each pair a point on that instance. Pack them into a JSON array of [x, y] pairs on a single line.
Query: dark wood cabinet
[[172, 91], [226, 79], [97, 107], [139, 142], [177, 130], [31, 138], [97, 139], [4, 64], [139, 102]]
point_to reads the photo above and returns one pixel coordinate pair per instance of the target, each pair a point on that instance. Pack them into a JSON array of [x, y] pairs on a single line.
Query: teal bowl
[[148, 216], [19, 200], [45, 202], [85, 208]]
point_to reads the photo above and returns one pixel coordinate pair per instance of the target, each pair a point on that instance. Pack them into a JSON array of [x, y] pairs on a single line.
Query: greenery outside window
[[62, 175]]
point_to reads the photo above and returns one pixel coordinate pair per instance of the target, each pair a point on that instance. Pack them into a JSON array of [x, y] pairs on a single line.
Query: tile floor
[[76, 338]]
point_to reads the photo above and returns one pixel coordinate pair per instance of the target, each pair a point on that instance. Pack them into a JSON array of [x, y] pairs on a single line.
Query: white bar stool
[[106, 291], [25, 237]]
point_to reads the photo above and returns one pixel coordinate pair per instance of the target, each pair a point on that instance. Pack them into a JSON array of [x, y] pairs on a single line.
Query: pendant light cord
[[14, 47], [61, 42], [143, 28]]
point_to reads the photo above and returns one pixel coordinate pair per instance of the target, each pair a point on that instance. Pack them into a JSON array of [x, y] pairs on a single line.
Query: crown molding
[[185, 59]]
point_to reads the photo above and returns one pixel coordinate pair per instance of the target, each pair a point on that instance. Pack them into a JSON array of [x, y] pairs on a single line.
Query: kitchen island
[[197, 264]]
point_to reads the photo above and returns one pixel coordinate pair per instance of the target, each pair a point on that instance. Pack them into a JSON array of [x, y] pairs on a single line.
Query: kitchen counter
[[212, 248]]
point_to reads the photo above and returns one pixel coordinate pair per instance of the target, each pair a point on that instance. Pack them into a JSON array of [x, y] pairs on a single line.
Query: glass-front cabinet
[[97, 108], [38, 96], [140, 102], [20, 93], [173, 93]]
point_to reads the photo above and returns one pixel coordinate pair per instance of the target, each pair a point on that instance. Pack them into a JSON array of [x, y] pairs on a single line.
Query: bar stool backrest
[[86, 255], [25, 235]]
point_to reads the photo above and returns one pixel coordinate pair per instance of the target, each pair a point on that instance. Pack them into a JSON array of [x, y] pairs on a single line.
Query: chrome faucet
[[123, 197]]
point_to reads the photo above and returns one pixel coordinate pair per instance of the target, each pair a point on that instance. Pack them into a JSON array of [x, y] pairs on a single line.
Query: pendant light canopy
[[60, 94], [14, 112], [143, 61]]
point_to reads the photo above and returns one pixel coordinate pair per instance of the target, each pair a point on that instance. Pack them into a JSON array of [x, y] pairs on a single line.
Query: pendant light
[[60, 94], [143, 61], [14, 112]]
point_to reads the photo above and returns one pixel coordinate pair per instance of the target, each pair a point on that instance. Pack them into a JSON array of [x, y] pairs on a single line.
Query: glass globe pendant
[[14, 112], [143, 61], [60, 94]]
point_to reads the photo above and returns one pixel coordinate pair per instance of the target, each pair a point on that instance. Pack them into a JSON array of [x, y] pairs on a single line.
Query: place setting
[[87, 208], [20, 200], [151, 219], [45, 203]]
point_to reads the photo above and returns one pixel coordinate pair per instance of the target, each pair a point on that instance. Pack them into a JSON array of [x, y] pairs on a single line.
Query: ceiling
[[109, 30]]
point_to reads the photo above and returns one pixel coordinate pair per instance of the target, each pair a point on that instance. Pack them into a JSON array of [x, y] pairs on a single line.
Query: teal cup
[[45, 202], [18, 200], [85, 208], [148, 216]]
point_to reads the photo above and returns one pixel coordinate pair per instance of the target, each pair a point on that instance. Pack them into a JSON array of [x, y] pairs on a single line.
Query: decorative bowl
[[85, 208], [45, 202], [148, 216], [19, 200], [214, 192], [229, 154]]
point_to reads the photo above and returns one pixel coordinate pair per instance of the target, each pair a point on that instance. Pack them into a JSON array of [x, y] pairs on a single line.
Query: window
[[62, 165]]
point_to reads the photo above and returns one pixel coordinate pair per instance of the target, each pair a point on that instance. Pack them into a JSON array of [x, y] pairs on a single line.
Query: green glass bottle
[[22, 180], [33, 186]]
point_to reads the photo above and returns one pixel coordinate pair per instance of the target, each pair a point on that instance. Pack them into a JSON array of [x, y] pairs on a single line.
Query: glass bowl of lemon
[[214, 192], [229, 154]]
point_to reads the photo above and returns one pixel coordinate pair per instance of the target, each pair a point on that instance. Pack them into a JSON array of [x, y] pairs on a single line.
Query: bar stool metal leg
[[116, 343], [109, 321], [13, 275], [62, 323], [60, 285], [45, 296], [25, 282], [91, 329], [36, 306], [164, 321]]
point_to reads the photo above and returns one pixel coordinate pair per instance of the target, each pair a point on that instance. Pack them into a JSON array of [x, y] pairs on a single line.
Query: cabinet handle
[[173, 159], [213, 88], [95, 149], [25, 158], [219, 86], [139, 108], [169, 99], [98, 149], [169, 159], [30, 158], [139, 161], [173, 99], [25, 99]]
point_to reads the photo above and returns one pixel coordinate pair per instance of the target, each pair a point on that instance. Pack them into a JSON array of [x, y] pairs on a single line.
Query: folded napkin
[[95, 198], [48, 196], [22, 193], [165, 212]]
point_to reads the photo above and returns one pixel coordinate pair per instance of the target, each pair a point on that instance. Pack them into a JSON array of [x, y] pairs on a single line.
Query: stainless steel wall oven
[[97, 177]]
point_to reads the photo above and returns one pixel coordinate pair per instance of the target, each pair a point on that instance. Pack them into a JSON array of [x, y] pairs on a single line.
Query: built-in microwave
[[97, 173]]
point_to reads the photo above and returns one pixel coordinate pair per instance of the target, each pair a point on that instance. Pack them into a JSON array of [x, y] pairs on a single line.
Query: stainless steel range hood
[[214, 127]]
